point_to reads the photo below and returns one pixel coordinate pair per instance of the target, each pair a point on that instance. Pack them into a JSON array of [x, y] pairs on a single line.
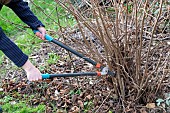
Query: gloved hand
[[33, 74], [42, 34]]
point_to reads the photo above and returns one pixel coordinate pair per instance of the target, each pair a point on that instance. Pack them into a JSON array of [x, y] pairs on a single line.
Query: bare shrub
[[134, 39]]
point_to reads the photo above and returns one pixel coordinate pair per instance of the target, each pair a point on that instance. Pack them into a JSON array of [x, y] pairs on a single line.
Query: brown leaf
[[48, 92], [89, 97], [150, 105], [74, 98], [60, 111], [75, 109], [80, 103], [65, 105], [143, 110], [64, 91]]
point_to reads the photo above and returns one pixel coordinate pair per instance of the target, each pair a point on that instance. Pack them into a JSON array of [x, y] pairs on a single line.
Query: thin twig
[[103, 102]]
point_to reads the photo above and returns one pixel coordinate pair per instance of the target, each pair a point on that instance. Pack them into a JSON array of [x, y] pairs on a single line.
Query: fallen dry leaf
[[89, 97], [75, 109], [142, 110], [150, 105], [80, 103]]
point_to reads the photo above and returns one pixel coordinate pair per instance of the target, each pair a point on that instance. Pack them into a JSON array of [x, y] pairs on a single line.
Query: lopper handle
[[45, 76], [48, 76]]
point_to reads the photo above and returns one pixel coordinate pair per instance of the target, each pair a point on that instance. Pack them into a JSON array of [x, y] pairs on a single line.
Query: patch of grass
[[28, 43], [88, 105], [49, 12], [73, 92], [8, 15], [53, 57], [10, 105]]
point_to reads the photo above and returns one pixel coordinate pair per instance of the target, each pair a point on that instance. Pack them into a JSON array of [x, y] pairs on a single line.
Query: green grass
[[6, 14], [1, 57], [11, 105], [53, 57], [88, 105], [28, 43]]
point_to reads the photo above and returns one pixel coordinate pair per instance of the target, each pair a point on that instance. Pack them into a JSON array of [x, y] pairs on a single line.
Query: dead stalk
[[146, 76], [164, 75]]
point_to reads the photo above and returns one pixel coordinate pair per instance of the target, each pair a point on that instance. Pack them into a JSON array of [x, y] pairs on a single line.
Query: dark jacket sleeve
[[11, 50], [23, 11]]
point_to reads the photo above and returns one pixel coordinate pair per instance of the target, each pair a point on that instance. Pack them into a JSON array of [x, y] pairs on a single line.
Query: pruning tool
[[103, 70]]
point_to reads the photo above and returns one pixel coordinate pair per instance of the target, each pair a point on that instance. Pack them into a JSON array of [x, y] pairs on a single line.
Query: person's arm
[[22, 10], [26, 15], [14, 53]]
